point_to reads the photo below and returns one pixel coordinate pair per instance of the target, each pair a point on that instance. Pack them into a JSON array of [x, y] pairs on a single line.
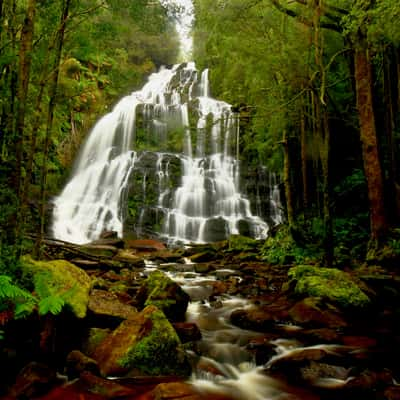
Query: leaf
[[51, 304]]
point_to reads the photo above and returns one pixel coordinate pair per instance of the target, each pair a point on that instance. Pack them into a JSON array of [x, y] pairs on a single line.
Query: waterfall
[[205, 205]]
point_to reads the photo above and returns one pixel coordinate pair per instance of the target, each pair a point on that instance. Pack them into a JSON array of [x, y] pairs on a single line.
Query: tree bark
[[303, 145], [50, 117], [287, 181], [372, 165]]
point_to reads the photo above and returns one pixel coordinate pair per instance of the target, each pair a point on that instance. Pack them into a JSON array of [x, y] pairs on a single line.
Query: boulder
[[77, 362], [146, 245], [313, 312], [34, 379], [256, 319], [159, 290], [60, 278], [328, 283], [147, 344], [128, 257], [105, 306], [187, 331]]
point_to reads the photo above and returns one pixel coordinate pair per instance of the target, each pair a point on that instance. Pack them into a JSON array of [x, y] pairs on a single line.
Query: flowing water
[[206, 205], [225, 366]]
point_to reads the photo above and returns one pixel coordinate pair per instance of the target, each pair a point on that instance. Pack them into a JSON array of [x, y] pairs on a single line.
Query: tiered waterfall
[[171, 123]]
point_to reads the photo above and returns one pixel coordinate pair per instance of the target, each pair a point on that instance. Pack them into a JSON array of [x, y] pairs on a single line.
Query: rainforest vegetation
[[316, 86], [62, 65]]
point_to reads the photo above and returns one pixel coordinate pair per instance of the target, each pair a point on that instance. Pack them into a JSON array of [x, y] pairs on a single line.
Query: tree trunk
[[50, 116], [303, 145], [287, 181], [25, 58], [372, 165]]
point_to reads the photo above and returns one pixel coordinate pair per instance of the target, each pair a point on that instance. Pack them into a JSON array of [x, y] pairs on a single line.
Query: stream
[[226, 367]]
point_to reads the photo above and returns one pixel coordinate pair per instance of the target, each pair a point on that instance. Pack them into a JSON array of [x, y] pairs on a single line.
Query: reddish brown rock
[[187, 331], [34, 379], [146, 245], [311, 312], [77, 363], [104, 306], [256, 319]]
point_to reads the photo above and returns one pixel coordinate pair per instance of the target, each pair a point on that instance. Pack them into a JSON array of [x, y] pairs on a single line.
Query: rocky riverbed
[[141, 321]]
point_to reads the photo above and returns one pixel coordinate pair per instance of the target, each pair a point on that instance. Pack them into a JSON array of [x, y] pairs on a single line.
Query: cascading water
[[207, 204]]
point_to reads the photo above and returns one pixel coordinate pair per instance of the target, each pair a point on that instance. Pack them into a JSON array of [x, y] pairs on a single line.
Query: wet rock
[[144, 245], [203, 268], [77, 362], [174, 390], [392, 393], [187, 331], [60, 278], [204, 256], [289, 364], [370, 380], [257, 319], [325, 375], [262, 349], [107, 389], [127, 257], [321, 335], [34, 379], [311, 311], [146, 343], [109, 241], [99, 250], [359, 341], [159, 290]]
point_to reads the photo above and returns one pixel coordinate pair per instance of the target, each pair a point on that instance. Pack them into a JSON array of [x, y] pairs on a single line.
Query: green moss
[[60, 278], [165, 294], [160, 352], [242, 243], [328, 283]]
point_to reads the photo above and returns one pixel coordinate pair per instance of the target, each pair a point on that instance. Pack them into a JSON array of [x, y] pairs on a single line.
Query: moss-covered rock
[[161, 291], [328, 283], [146, 344], [240, 243], [60, 278]]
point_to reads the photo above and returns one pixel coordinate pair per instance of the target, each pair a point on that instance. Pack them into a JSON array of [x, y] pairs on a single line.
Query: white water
[[208, 197]]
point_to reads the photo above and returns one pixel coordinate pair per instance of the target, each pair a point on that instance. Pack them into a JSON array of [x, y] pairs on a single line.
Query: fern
[[10, 291], [51, 304]]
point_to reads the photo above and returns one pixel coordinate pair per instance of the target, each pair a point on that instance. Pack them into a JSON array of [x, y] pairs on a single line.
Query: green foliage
[[281, 248], [51, 304], [15, 298]]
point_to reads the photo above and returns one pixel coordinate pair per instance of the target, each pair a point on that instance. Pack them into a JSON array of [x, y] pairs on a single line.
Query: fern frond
[[10, 291], [51, 304], [22, 310]]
